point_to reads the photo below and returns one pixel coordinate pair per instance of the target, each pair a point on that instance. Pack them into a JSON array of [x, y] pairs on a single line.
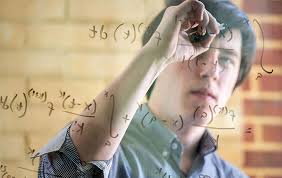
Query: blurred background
[[61, 53]]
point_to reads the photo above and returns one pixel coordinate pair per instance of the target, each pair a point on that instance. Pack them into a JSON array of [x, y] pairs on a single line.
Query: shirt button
[[174, 146], [165, 153]]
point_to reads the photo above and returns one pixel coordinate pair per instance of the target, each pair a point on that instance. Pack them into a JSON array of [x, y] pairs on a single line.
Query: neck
[[190, 139], [189, 136]]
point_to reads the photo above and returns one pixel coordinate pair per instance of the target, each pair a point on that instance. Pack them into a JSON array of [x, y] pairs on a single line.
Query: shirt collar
[[156, 130], [207, 144]]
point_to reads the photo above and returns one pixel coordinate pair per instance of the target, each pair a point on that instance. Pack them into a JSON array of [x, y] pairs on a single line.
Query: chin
[[203, 114], [203, 104]]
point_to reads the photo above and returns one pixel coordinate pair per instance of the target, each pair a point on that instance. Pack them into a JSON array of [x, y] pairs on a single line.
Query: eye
[[225, 61]]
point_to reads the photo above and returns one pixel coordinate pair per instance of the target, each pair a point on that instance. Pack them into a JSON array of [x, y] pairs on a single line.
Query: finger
[[203, 24], [197, 13], [212, 29], [213, 25], [199, 16], [184, 7], [190, 13]]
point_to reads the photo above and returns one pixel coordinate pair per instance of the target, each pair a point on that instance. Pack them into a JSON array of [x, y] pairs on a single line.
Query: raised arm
[[102, 135]]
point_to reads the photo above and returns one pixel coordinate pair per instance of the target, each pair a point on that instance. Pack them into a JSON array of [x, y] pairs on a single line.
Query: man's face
[[203, 82]]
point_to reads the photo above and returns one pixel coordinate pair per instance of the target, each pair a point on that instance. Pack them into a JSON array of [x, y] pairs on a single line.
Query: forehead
[[230, 42]]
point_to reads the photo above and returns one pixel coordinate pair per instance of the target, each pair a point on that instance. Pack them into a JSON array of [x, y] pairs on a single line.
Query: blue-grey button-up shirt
[[148, 150]]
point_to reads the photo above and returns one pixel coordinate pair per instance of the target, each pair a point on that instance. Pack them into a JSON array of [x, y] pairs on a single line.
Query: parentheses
[[196, 112], [262, 35], [25, 109], [45, 98], [11, 104], [29, 92], [231, 34], [189, 62], [142, 121], [226, 110], [214, 108], [63, 104], [134, 33], [94, 105], [140, 26], [116, 30], [112, 114], [181, 119], [211, 114]]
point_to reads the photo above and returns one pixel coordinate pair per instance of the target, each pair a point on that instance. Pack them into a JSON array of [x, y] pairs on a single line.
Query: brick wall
[[262, 98], [45, 45]]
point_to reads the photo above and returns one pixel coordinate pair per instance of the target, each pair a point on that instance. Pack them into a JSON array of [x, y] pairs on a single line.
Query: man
[[165, 137]]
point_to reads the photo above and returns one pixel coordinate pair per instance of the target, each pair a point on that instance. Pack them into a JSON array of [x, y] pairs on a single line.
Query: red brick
[[262, 107], [272, 31], [252, 176], [263, 6], [272, 133], [248, 137], [270, 82], [270, 57], [263, 159]]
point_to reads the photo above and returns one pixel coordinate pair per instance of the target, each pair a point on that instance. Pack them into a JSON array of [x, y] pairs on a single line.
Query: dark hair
[[225, 12]]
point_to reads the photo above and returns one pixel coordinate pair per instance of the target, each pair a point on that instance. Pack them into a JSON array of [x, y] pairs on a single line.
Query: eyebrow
[[230, 52]]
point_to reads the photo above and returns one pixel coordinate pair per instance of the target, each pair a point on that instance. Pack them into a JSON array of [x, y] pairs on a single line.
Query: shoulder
[[224, 167]]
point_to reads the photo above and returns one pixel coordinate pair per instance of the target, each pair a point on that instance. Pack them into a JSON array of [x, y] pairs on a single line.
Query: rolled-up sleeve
[[65, 162]]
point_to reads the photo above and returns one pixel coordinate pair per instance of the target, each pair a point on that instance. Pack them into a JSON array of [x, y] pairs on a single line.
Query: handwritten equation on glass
[[19, 103], [119, 32]]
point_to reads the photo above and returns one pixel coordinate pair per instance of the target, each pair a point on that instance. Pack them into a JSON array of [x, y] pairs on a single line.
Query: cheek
[[185, 75], [226, 85]]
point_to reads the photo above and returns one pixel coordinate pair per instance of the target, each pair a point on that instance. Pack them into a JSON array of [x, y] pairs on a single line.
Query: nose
[[209, 67]]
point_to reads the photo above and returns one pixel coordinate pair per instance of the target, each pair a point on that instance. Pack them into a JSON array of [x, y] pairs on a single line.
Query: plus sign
[[246, 21], [125, 118]]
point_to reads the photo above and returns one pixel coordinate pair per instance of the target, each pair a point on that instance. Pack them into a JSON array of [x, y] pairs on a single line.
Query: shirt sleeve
[[65, 162]]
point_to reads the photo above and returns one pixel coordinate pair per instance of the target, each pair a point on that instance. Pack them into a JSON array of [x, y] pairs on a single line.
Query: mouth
[[204, 93]]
